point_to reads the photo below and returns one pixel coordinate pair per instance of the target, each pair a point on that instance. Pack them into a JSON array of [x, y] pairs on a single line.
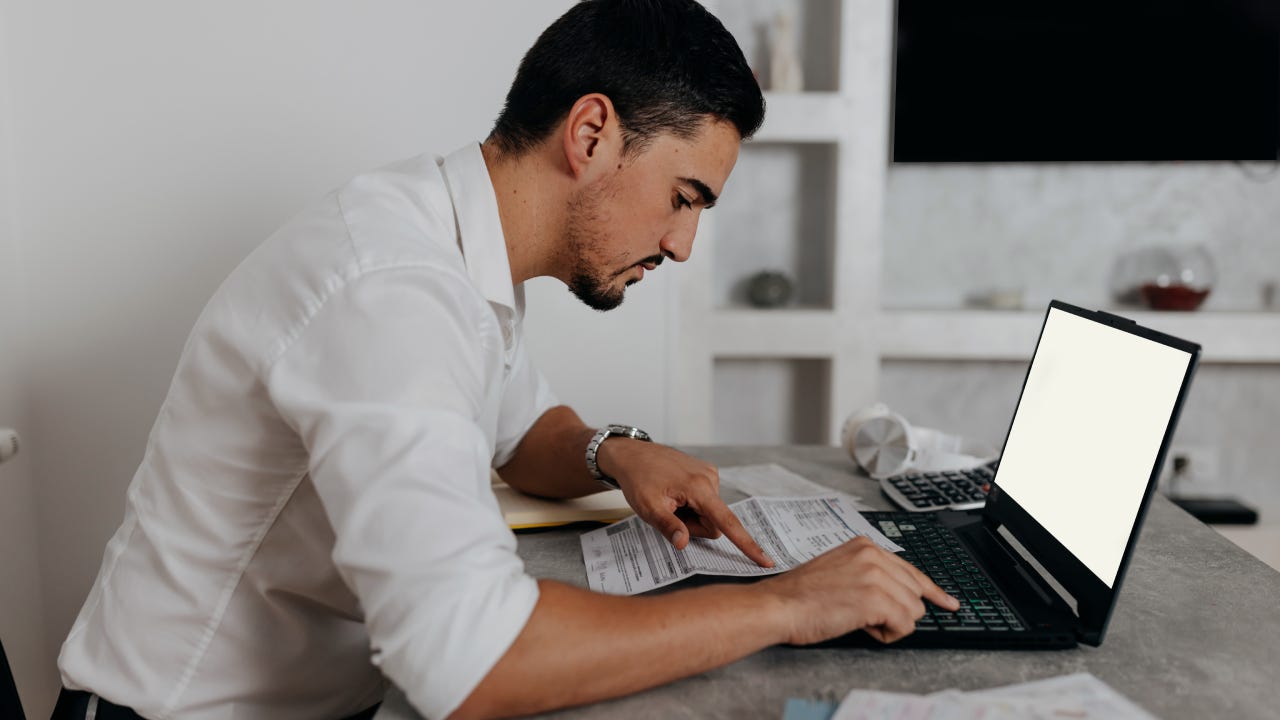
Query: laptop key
[[941, 555]]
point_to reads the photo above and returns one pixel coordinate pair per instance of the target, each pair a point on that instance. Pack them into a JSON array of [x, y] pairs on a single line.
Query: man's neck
[[531, 202]]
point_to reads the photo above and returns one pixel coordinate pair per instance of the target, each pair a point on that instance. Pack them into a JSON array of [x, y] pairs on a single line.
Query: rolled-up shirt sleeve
[[387, 387]]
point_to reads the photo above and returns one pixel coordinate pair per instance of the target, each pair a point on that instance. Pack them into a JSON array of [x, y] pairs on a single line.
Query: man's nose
[[678, 244]]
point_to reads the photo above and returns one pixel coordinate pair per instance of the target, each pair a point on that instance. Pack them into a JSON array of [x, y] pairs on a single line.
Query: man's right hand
[[857, 586], [558, 659]]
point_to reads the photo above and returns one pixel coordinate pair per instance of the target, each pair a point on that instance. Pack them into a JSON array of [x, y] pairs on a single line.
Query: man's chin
[[596, 297]]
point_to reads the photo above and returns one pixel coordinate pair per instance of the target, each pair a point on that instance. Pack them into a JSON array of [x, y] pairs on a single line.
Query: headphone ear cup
[[883, 445]]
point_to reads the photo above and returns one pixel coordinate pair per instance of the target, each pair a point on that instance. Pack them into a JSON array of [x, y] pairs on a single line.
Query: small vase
[[769, 289], [1175, 278]]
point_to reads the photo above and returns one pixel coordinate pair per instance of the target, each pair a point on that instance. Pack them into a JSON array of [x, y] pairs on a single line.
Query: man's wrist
[[598, 443], [778, 615], [611, 450]]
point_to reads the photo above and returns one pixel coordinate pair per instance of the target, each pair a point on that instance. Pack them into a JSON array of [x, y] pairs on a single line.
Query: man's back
[[225, 556]]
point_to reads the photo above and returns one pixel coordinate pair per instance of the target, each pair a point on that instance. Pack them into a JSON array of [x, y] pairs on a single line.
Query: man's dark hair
[[667, 65]]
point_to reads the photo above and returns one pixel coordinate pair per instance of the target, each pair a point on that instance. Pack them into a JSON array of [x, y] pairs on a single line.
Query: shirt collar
[[484, 248]]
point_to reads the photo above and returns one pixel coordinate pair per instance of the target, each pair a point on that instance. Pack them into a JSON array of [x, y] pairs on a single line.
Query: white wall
[[1055, 230], [21, 618], [156, 143]]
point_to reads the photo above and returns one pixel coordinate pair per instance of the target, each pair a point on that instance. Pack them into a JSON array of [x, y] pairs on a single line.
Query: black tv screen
[[1018, 81]]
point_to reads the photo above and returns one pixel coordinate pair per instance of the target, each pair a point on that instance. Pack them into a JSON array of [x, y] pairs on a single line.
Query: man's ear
[[590, 135]]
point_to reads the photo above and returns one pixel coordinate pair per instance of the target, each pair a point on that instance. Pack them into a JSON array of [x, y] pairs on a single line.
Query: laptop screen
[[1087, 432]]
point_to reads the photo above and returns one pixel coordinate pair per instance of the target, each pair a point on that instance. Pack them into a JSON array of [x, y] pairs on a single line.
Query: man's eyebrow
[[708, 197]]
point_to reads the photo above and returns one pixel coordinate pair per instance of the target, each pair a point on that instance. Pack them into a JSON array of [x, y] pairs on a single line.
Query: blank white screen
[[1086, 434]]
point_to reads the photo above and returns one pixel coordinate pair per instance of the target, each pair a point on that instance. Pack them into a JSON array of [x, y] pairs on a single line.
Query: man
[[313, 510]]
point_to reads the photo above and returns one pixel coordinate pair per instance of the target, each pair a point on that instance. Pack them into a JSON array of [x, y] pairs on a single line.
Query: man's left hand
[[677, 494]]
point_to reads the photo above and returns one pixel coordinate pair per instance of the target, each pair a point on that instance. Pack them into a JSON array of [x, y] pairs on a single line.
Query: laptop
[[1079, 467]]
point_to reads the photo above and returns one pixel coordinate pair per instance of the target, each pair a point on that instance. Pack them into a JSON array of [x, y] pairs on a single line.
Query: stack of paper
[[1076, 697], [526, 511]]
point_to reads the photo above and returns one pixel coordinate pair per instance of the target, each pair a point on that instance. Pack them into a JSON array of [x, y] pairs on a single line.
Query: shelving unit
[[744, 375], [1227, 337], [825, 353]]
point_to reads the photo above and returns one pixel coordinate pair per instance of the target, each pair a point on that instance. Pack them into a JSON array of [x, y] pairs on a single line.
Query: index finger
[[719, 514], [929, 590]]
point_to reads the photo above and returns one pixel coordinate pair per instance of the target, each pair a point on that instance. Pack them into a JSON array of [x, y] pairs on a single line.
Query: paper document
[[525, 511], [630, 557], [1071, 697], [773, 480]]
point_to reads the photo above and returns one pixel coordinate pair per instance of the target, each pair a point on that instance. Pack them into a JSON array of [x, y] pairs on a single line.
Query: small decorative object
[[769, 289], [997, 299], [785, 71], [1180, 280], [1164, 277]]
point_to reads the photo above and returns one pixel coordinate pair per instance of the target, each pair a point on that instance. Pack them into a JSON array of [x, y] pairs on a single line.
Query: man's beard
[[595, 289], [598, 293]]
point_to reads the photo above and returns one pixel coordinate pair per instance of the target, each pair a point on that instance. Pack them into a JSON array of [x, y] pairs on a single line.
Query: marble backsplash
[[1056, 230]]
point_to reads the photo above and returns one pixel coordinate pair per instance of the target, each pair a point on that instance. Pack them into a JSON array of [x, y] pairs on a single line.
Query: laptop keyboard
[[937, 552]]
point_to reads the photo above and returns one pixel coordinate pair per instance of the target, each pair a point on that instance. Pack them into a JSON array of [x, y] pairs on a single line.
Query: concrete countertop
[[1195, 633]]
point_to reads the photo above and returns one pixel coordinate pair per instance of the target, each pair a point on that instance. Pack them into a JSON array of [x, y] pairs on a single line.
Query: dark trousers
[[74, 704]]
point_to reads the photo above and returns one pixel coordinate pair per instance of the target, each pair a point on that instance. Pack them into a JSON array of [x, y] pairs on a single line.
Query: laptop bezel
[[1094, 600]]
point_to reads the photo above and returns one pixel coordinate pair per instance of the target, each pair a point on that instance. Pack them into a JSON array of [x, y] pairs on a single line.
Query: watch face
[[628, 431]]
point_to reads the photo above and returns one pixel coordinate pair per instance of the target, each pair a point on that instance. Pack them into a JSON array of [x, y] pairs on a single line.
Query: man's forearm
[[580, 647], [551, 459]]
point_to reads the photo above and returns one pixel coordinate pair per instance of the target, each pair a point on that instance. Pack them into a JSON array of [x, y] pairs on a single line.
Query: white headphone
[[884, 444]]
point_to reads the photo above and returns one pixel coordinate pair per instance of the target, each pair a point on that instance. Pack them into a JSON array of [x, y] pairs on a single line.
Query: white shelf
[[1227, 337], [784, 403], [805, 117], [727, 349], [791, 333]]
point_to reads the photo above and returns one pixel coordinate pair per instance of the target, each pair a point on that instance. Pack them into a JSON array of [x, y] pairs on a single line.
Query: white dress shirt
[[313, 509]]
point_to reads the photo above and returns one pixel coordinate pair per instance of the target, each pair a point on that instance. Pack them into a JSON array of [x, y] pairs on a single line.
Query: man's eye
[[682, 202]]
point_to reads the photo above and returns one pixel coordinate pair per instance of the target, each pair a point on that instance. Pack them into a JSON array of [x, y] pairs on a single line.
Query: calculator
[[945, 490]]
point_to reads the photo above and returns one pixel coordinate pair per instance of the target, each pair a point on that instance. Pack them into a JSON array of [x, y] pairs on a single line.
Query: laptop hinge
[[1028, 561]]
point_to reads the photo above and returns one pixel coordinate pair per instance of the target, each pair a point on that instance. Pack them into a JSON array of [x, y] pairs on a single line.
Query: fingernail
[[954, 601], [676, 537]]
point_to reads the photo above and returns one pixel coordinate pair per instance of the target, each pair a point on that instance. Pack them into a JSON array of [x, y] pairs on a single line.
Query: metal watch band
[[593, 448]]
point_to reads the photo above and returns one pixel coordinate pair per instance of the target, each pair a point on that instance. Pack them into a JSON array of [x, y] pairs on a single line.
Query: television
[[1086, 80]]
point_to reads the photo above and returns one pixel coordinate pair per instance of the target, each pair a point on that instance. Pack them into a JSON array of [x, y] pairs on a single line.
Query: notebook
[[1041, 565], [524, 512]]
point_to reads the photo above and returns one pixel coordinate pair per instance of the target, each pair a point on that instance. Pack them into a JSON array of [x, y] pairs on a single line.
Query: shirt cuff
[[501, 611]]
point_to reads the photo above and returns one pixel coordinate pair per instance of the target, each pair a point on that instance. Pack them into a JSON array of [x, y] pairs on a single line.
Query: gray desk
[[1196, 633]]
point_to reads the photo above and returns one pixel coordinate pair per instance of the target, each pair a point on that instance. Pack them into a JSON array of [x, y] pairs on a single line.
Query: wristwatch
[[594, 446]]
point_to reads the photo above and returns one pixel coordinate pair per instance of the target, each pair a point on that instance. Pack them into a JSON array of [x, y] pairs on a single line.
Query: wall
[[156, 143], [1057, 230], [21, 617]]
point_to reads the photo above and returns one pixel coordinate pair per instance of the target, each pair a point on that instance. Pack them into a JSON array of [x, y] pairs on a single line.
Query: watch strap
[[604, 433]]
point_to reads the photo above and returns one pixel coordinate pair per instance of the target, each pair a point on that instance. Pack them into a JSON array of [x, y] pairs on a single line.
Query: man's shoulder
[[388, 219], [400, 214]]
